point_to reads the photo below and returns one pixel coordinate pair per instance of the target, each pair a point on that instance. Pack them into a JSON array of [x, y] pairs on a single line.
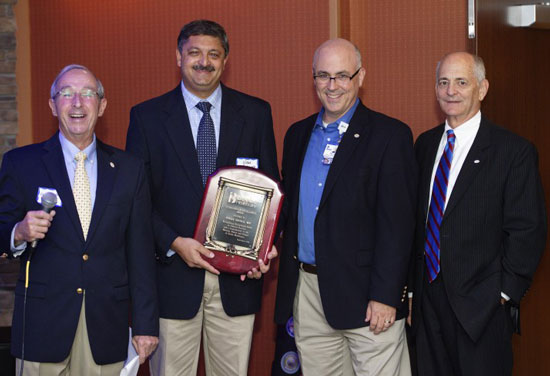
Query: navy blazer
[[493, 230], [118, 274], [365, 222], [160, 134]]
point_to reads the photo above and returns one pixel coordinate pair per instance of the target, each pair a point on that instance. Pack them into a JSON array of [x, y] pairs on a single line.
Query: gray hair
[[53, 89], [479, 68]]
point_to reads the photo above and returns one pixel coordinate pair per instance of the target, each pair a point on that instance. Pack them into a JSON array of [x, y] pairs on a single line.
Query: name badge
[[42, 191], [248, 162], [328, 154], [342, 127]]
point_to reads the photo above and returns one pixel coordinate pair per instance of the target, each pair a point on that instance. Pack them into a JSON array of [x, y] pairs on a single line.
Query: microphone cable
[[27, 269], [48, 201]]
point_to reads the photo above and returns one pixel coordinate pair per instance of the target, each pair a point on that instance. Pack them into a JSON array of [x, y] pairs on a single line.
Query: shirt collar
[[467, 129], [70, 150], [191, 99], [346, 118]]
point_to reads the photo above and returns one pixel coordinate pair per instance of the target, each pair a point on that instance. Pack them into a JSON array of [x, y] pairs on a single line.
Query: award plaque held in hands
[[238, 218]]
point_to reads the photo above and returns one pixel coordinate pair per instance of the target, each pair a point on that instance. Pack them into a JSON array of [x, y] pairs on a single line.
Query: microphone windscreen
[[49, 200]]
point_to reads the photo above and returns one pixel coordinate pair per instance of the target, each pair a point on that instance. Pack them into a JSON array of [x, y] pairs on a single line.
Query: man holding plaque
[[183, 136], [349, 176]]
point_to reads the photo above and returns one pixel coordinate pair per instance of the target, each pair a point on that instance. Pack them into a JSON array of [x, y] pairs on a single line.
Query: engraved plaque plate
[[238, 218]]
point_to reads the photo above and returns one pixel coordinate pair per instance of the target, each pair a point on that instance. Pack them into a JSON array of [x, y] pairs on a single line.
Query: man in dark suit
[[481, 230], [183, 136], [93, 265], [350, 180]]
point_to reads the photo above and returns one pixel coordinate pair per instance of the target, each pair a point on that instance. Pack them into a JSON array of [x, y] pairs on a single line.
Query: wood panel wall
[[401, 43], [517, 62]]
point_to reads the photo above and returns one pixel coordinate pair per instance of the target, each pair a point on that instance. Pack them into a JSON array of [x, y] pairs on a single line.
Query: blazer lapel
[[231, 125], [301, 148], [472, 164], [427, 168], [357, 132], [106, 174], [55, 165], [179, 129]]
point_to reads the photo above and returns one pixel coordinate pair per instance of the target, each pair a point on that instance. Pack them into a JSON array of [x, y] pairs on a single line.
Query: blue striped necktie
[[437, 207], [206, 142]]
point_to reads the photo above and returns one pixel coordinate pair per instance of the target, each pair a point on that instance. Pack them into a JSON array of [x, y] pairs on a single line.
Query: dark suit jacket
[[494, 227], [160, 133], [118, 275], [365, 222]]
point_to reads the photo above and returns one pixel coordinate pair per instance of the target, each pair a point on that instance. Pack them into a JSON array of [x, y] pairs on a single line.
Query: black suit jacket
[[160, 134], [118, 275], [365, 222], [494, 227]]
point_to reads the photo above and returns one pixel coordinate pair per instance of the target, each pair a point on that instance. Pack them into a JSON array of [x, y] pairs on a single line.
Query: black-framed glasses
[[68, 93], [341, 78]]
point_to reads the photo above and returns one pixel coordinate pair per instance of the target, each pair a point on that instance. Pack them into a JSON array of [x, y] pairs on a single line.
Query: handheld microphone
[[48, 202]]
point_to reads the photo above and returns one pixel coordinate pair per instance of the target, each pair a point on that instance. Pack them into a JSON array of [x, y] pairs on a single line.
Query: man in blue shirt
[[350, 181]]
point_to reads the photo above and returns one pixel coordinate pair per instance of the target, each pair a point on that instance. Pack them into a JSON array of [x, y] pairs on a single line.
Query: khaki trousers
[[80, 361], [226, 339], [327, 351]]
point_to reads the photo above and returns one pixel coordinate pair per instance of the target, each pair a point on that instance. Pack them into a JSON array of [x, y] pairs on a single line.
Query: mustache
[[207, 68]]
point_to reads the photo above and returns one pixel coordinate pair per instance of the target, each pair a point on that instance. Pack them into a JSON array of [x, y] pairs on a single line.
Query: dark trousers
[[445, 349]]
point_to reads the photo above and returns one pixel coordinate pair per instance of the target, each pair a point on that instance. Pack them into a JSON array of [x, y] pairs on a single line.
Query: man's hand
[[381, 316], [190, 251], [409, 317], [34, 226], [257, 274], [144, 346]]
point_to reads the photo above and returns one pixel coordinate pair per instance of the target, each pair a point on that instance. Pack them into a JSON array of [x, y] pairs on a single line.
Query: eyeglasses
[[69, 93], [341, 78]]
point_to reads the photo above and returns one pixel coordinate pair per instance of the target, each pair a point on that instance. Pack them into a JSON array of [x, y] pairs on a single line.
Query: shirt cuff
[[170, 253], [16, 251], [410, 295], [506, 297]]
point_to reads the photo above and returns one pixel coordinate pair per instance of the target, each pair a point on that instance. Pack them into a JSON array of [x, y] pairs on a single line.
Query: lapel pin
[[476, 161], [356, 135], [112, 164]]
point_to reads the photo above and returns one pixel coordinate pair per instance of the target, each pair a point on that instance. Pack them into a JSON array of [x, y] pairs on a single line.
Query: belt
[[308, 268]]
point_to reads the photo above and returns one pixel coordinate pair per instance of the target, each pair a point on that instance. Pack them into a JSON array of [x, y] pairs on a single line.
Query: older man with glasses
[[350, 178], [88, 264]]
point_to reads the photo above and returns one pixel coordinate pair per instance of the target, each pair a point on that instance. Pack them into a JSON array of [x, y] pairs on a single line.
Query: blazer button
[[85, 257], [79, 291]]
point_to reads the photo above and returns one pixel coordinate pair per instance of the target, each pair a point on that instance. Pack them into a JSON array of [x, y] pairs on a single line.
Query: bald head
[[475, 62], [338, 75], [338, 46]]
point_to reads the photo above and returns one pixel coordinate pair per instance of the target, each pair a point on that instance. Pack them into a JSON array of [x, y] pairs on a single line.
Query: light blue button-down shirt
[[195, 115], [312, 181]]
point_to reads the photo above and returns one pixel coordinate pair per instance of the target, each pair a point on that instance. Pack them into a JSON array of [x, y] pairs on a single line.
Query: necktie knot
[[204, 107], [80, 156], [451, 136]]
